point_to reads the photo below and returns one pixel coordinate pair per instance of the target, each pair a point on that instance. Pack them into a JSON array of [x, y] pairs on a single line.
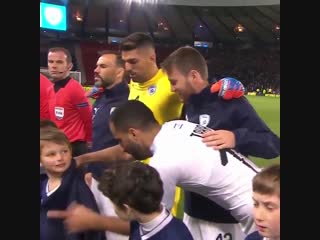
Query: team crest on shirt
[[59, 112], [112, 109], [94, 112], [152, 89], [204, 119]]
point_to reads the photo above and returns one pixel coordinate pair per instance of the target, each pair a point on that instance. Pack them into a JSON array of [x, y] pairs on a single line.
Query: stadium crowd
[[256, 68]]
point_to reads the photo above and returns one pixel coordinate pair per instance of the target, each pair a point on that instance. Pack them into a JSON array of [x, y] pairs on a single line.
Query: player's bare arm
[[78, 218], [105, 155]]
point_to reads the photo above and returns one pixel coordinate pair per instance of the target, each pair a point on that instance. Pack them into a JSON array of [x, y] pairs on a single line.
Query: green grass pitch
[[268, 109]]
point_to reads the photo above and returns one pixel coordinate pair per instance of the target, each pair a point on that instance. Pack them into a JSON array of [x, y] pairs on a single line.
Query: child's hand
[[77, 218]]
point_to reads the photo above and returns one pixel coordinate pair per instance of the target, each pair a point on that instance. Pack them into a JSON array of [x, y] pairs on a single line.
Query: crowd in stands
[[255, 68]]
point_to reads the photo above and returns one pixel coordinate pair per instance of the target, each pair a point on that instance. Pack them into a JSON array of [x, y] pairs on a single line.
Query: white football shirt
[[182, 159]]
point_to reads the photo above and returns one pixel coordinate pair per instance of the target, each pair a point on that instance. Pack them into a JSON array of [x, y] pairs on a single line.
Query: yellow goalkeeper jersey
[[156, 94]]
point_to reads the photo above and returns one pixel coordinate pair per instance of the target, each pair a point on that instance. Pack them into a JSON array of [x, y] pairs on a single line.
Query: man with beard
[[180, 157], [236, 125], [112, 92], [150, 85]]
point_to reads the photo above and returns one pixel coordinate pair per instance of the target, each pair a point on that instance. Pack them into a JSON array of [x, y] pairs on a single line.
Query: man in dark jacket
[[236, 125], [112, 92]]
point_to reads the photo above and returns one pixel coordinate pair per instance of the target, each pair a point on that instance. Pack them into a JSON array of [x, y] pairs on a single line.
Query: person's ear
[[133, 133], [153, 57], [129, 211], [120, 72], [194, 74], [70, 66]]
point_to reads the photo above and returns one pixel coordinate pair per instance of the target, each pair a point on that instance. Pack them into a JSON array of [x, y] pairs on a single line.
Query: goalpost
[[74, 74]]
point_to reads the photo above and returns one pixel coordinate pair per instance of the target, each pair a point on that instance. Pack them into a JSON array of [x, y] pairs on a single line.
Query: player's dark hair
[[133, 183], [267, 181], [136, 40], [119, 61], [185, 59], [133, 114]]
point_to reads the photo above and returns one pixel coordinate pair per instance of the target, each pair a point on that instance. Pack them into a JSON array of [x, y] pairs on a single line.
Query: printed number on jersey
[[199, 130], [226, 236]]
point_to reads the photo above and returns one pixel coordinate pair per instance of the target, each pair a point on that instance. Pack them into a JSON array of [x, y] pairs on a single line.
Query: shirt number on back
[[226, 236]]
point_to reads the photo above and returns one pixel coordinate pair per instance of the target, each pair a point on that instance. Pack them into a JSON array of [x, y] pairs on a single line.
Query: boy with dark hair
[[136, 191]]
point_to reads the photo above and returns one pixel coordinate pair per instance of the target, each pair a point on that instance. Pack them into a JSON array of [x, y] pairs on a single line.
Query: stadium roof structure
[[175, 21]]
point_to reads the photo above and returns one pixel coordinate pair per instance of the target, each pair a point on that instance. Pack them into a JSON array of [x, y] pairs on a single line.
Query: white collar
[[52, 191], [154, 226]]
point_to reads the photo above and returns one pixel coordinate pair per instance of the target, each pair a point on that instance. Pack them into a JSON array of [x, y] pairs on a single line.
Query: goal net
[[74, 74]]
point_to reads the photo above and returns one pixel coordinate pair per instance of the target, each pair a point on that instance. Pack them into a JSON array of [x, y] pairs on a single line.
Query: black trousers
[[79, 148]]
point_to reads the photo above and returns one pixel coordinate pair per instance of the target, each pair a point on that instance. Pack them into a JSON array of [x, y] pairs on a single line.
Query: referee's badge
[[204, 119], [152, 89], [59, 112]]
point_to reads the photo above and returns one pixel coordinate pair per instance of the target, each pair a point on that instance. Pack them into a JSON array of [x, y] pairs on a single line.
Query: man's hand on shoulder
[[219, 139]]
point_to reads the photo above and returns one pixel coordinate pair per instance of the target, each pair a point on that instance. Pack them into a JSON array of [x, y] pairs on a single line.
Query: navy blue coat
[[254, 236], [101, 135], [253, 137], [72, 188]]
